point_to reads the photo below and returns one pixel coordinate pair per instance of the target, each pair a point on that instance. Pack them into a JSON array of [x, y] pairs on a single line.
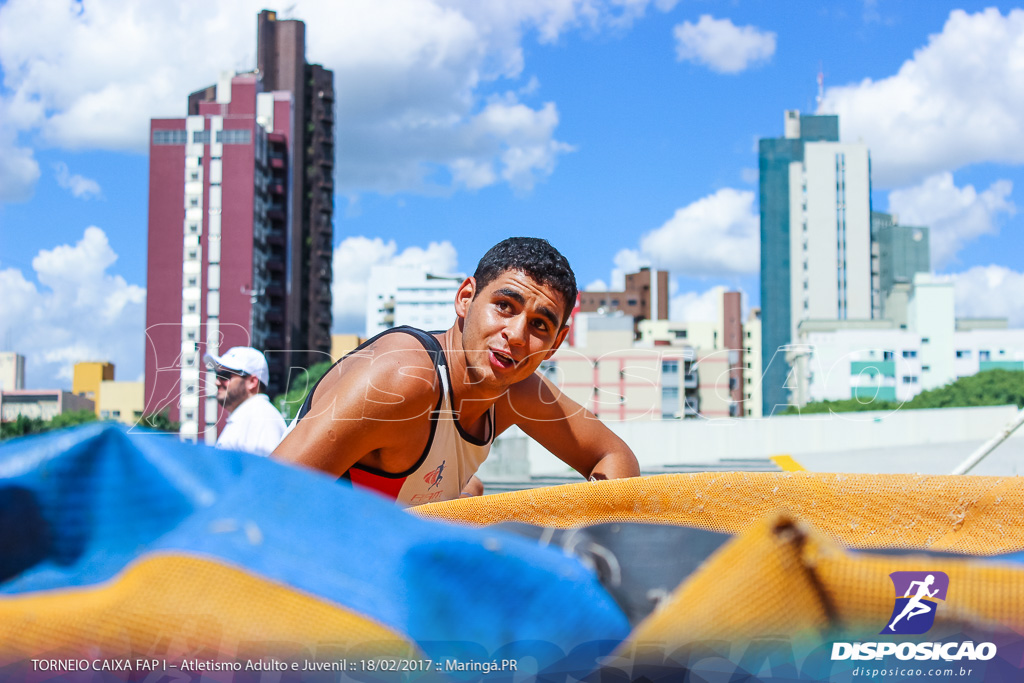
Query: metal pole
[[990, 445]]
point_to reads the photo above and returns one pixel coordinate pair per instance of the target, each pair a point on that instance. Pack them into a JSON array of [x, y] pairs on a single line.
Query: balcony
[[323, 294], [691, 380]]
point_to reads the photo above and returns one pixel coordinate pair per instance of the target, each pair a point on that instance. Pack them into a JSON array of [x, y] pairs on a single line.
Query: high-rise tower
[[815, 238], [240, 228]]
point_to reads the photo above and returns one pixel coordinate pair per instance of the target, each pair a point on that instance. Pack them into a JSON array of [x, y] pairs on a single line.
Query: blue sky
[[593, 123]]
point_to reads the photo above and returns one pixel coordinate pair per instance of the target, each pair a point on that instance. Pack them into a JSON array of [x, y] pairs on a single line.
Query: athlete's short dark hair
[[535, 257]]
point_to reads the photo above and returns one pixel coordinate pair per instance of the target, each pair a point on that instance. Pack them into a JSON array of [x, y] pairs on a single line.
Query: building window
[[924, 340], [887, 355], [194, 175], [680, 334], [201, 137], [910, 379], [670, 392], [234, 137], [963, 354], [910, 354], [670, 367], [984, 355], [926, 368], [193, 201], [170, 137]]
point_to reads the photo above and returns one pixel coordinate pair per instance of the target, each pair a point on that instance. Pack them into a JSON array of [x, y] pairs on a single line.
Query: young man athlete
[[413, 414]]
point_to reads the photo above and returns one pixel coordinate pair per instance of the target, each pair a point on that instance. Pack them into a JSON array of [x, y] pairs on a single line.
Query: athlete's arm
[[371, 409], [567, 429]]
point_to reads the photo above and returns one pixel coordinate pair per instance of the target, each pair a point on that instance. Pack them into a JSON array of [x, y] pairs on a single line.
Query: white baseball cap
[[244, 359]]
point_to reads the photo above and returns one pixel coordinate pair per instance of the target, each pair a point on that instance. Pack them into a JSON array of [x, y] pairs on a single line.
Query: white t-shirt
[[254, 427]]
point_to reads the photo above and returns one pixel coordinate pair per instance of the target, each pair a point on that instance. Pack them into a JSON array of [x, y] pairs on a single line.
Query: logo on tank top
[[434, 477]]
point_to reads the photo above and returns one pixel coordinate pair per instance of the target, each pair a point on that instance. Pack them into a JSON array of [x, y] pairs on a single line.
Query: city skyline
[[624, 133]]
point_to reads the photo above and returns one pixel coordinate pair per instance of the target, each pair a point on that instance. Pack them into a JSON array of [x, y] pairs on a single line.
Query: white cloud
[[79, 186], [955, 216], [957, 102], [79, 312], [716, 235], [597, 286], [354, 258], [721, 45], [697, 306], [19, 170], [409, 73], [990, 292], [626, 261]]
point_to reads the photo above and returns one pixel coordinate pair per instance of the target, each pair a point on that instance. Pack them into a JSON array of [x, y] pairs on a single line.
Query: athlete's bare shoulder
[[394, 369]]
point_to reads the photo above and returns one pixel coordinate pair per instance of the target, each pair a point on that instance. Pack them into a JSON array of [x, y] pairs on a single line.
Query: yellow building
[[87, 378], [343, 343], [121, 401]]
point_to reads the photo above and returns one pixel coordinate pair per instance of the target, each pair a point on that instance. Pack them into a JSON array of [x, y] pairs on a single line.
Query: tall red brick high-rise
[[240, 229]]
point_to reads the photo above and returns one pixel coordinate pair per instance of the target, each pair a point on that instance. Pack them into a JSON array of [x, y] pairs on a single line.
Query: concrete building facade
[[408, 295], [645, 297], [890, 360], [41, 404], [87, 377], [617, 379], [815, 198], [121, 401], [12, 371]]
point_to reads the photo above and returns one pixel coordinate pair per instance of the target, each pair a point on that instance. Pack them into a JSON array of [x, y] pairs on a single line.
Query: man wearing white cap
[[253, 425]]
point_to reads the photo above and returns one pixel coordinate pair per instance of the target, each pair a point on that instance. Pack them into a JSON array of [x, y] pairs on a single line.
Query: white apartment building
[[830, 229], [894, 360], [12, 371], [409, 295]]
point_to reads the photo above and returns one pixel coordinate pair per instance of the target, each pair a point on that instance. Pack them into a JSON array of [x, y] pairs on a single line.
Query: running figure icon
[[916, 605]]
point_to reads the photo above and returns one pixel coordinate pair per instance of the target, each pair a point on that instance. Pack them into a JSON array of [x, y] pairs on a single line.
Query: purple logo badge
[[916, 595]]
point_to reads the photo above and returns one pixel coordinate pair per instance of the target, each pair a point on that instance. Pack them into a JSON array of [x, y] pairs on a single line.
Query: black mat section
[[639, 564]]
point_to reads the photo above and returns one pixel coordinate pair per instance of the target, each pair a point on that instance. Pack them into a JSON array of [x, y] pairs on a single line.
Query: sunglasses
[[226, 375]]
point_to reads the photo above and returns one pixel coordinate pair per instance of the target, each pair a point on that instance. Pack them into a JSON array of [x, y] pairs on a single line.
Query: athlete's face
[[509, 327]]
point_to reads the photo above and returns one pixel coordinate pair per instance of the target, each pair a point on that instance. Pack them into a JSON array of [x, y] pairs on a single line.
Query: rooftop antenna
[[821, 88]]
